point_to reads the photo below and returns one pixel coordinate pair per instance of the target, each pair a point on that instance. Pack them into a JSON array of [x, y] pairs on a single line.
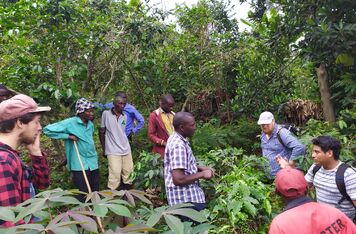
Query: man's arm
[[181, 179], [292, 143], [152, 130], [140, 120], [102, 131], [57, 130]]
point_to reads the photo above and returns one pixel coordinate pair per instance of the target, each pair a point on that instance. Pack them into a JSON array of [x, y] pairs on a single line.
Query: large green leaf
[[153, 219], [190, 213], [7, 214], [100, 210], [86, 222], [119, 209], [174, 223]]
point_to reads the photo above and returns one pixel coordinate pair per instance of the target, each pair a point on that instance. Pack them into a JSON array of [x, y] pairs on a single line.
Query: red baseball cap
[[18, 106], [291, 183]]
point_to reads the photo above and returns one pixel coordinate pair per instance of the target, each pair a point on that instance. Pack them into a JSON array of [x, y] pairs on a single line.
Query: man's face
[[188, 128], [320, 157], [119, 104], [167, 105], [88, 115], [268, 128], [31, 130]]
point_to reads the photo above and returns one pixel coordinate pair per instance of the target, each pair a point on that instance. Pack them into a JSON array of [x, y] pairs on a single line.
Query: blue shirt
[[179, 155], [86, 147], [272, 147], [131, 113]]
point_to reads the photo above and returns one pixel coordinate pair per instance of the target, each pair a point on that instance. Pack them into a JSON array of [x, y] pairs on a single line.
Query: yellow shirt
[[167, 119]]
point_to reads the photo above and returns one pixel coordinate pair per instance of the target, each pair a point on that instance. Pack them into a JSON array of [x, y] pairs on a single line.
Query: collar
[[297, 202], [113, 112], [79, 120], [8, 147], [181, 137]]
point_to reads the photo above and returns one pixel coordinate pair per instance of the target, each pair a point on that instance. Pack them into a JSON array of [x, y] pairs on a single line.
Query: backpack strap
[[316, 169], [280, 138], [340, 183]]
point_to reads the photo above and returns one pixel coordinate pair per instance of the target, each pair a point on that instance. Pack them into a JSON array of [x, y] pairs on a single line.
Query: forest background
[[297, 61]]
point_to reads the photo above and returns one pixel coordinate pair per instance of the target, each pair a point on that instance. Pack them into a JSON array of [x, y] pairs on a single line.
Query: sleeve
[[350, 183], [103, 120], [140, 121], [292, 143], [109, 105], [152, 130], [40, 171], [9, 182], [309, 177], [178, 155], [57, 130]]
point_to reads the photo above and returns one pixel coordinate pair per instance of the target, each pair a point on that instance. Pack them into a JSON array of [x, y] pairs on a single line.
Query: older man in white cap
[[278, 142], [79, 128], [20, 125]]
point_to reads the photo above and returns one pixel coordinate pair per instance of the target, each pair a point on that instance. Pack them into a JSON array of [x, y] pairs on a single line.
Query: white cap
[[265, 118]]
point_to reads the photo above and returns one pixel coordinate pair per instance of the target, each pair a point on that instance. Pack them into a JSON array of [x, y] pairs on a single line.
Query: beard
[[28, 140]]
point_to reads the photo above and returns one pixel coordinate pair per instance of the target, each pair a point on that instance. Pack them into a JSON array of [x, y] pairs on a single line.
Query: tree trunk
[[328, 108]]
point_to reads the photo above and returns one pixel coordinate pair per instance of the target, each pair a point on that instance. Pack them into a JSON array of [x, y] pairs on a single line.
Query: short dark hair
[[121, 94], [327, 143], [180, 118], [8, 125]]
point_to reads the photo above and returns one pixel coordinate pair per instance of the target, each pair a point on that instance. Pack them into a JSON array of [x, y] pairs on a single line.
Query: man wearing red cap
[[20, 124], [301, 214]]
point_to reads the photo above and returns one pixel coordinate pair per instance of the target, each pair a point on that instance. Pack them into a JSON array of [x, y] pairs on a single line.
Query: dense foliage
[[60, 50]]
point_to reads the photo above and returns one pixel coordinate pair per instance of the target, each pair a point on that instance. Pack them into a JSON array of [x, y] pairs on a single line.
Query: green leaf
[[119, 209], [67, 200], [63, 230], [100, 210], [7, 214], [153, 219], [345, 59], [86, 222], [190, 213], [174, 223], [201, 228], [33, 208], [250, 208]]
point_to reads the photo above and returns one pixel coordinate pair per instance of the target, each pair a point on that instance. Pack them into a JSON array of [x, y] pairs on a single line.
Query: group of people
[[170, 133], [333, 181]]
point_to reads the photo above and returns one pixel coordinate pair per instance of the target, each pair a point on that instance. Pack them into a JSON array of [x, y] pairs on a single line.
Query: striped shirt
[[327, 191], [179, 155]]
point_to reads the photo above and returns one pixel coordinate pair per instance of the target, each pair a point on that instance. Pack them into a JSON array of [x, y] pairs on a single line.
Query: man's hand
[[73, 138], [208, 174], [283, 163], [204, 168], [35, 148]]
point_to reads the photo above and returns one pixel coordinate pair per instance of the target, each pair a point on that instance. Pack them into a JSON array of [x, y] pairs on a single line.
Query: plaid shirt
[[179, 155], [14, 184]]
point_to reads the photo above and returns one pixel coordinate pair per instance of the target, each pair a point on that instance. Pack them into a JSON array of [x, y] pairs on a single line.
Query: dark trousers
[[79, 182], [197, 207]]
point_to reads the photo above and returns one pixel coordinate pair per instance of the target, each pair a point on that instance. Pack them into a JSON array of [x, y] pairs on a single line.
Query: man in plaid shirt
[[181, 173], [20, 124]]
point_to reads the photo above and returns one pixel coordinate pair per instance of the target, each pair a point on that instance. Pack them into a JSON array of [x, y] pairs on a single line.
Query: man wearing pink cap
[[301, 214], [20, 124]]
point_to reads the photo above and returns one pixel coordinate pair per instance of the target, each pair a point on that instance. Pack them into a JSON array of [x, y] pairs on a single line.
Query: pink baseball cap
[[18, 106], [290, 183]]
